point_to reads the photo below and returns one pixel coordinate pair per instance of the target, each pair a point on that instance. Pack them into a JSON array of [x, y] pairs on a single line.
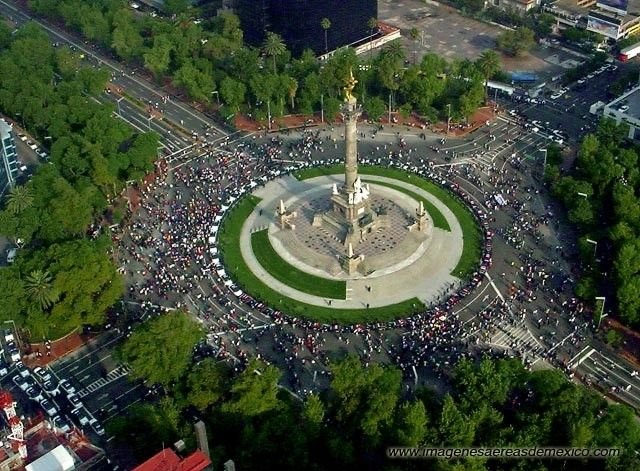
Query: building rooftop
[[5, 128], [167, 460], [630, 99], [49, 450], [571, 8]]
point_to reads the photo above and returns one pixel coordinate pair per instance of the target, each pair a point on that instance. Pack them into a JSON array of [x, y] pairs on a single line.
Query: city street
[[519, 303]]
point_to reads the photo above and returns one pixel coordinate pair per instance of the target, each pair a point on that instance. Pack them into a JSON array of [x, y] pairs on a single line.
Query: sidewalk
[[41, 354]]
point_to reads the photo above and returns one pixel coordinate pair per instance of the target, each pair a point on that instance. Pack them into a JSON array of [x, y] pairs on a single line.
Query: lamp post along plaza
[[602, 314]]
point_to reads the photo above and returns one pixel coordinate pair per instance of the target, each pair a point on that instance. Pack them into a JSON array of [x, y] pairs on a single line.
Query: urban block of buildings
[[8, 158]]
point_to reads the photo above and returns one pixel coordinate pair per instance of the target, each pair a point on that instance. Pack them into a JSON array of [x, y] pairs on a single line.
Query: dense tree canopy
[[601, 199], [161, 349], [62, 279], [516, 42], [490, 403], [203, 58]]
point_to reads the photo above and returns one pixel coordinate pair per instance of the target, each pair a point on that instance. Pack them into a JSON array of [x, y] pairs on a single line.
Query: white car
[[67, 387], [98, 429], [20, 382], [75, 402], [43, 374], [11, 255], [49, 408], [59, 423], [556, 95]]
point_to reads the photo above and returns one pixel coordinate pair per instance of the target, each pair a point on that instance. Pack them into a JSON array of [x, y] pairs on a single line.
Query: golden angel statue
[[349, 86]]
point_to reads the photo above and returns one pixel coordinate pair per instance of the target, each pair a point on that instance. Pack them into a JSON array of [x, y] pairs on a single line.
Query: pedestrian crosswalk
[[514, 336], [113, 375]]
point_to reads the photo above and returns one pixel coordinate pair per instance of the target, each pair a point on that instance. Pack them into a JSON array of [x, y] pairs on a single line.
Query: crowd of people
[[169, 255]]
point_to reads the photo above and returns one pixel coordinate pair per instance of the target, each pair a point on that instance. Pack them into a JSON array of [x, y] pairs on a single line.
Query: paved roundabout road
[[296, 278]]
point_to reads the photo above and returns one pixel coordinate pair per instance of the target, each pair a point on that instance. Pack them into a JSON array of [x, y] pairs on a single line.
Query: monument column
[[350, 113]]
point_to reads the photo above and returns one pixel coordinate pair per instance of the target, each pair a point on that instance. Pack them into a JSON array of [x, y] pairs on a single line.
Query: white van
[[11, 255]]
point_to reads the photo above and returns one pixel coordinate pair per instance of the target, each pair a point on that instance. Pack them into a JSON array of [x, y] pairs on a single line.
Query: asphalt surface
[[522, 306]]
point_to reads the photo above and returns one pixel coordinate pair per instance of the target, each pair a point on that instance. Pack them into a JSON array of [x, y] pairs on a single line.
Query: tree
[[126, 39], [372, 23], [325, 24], [255, 391], [177, 333], [411, 424], [292, 88], [19, 199], [38, 285], [365, 397], [454, 428], [175, 7], [414, 34], [314, 411], [515, 42], [199, 85], [488, 63], [331, 108], [233, 92], [158, 58], [145, 428], [273, 47], [374, 107], [205, 384]]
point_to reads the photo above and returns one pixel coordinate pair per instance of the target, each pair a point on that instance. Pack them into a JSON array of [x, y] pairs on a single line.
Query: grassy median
[[437, 217], [229, 246], [471, 234], [286, 273]]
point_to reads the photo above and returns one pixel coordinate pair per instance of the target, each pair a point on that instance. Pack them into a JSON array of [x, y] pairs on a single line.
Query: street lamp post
[[602, 314], [119, 109], [149, 122], [15, 331], [322, 108], [595, 246], [21, 119], [584, 195], [269, 113], [389, 109], [448, 118], [544, 162], [217, 94]]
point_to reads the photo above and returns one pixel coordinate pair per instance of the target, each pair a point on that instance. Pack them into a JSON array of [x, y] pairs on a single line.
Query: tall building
[[8, 158], [299, 22]]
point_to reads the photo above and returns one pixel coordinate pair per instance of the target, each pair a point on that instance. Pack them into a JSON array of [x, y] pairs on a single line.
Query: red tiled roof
[[196, 461], [167, 460]]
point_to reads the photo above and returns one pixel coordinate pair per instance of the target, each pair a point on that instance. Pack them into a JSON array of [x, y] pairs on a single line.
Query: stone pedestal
[[351, 262], [285, 218]]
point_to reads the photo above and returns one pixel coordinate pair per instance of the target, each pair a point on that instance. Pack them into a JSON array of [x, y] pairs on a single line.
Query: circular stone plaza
[[348, 244]]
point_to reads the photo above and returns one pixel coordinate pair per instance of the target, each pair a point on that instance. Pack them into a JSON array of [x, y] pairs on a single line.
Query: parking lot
[[84, 389], [441, 29]]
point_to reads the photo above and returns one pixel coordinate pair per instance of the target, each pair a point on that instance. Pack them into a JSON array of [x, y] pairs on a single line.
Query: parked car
[[20, 382], [51, 387], [82, 415], [23, 370], [59, 423], [98, 428], [48, 407], [75, 401], [11, 255], [35, 393], [41, 373], [67, 386]]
